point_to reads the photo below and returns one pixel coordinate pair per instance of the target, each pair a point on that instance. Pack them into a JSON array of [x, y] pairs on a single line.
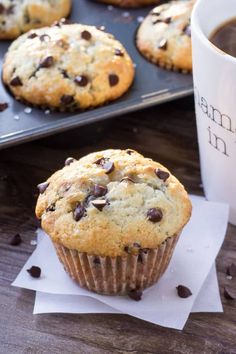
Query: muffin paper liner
[[162, 64], [117, 275], [73, 108]]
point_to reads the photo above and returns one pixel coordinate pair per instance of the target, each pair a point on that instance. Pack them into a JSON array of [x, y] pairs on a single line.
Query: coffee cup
[[214, 74]]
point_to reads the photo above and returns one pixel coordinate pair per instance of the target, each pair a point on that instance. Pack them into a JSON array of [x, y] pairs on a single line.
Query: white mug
[[214, 74]]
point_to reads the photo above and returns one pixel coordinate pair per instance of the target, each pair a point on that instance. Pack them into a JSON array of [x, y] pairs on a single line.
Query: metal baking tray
[[152, 85]]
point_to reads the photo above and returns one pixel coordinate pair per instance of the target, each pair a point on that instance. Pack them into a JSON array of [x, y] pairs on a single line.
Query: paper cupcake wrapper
[[72, 108], [117, 275], [163, 64]]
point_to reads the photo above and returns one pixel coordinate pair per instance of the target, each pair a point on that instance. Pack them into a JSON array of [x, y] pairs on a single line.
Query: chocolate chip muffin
[[67, 67], [114, 218], [164, 37], [130, 3], [19, 16]]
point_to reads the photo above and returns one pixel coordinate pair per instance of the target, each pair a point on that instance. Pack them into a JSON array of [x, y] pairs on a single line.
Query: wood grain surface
[[166, 133]]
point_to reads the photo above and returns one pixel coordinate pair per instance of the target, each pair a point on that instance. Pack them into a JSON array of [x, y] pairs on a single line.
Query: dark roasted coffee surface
[[224, 37]]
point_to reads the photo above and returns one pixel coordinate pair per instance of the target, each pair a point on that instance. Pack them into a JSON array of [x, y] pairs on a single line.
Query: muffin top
[[164, 37], [67, 67], [112, 202], [19, 16]]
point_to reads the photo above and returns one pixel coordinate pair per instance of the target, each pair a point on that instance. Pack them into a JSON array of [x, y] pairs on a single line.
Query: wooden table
[[166, 133]]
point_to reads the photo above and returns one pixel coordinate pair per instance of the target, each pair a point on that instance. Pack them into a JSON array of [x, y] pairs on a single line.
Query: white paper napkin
[[208, 300], [193, 258]]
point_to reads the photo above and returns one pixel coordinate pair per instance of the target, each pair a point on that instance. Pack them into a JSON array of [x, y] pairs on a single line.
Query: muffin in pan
[[114, 218], [130, 3], [67, 67], [164, 37], [20, 16]]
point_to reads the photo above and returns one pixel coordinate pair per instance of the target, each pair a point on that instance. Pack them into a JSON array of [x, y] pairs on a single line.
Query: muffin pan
[[152, 85]]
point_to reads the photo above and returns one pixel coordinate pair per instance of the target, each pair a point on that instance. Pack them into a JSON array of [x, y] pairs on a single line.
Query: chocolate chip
[[79, 212], [65, 74], [157, 21], [99, 204], [16, 240], [16, 81], [154, 214], [183, 291], [32, 35], [47, 62], [81, 80], [167, 20], [44, 38], [51, 207], [109, 167], [88, 199], [2, 9], [42, 187], [99, 191], [69, 161], [162, 174], [163, 44], [67, 187], [119, 52], [96, 260], [187, 30], [67, 99], [135, 294], [129, 152], [231, 270], [155, 13], [113, 79], [86, 35], [100, 161], [3, 106], [126, 179], [229, 294], [34, 271], [105, 164], [126, 249]]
